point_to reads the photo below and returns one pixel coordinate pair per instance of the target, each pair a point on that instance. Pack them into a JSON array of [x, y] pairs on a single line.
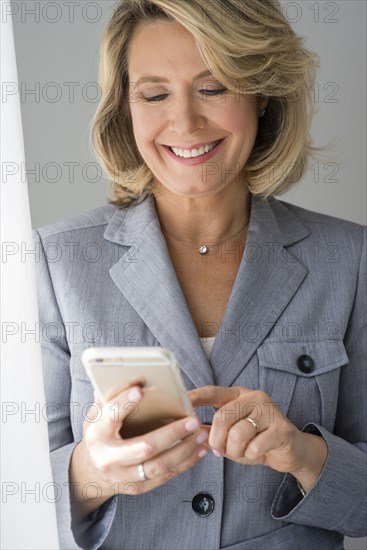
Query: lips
[[202, 151], [197, 159], [194, 146]]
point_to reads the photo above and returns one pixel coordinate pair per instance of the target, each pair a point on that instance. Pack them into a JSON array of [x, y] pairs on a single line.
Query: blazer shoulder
[[85, 220], [344, 238], [305, 214], [324, 223]]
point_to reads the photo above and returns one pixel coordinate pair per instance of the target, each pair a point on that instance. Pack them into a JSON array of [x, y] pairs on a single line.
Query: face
[[173, 103]]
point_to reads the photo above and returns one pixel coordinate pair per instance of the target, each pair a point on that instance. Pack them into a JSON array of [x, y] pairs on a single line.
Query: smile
[[195, 156], [192, 153]]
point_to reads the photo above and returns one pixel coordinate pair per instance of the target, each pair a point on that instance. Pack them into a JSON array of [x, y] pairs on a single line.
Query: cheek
[[240, 117], [145, 127], [245, 124]]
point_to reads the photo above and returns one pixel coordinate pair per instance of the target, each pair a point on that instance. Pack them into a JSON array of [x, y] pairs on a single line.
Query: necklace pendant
[[203, 249]]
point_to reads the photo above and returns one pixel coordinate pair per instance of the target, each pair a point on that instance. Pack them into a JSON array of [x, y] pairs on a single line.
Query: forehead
[[163, 46]]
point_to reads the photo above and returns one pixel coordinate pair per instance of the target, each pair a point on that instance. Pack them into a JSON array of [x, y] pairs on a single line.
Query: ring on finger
[[141, 472], [253, 423]]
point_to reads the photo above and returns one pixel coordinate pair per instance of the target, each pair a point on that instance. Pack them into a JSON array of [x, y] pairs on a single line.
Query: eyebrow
[[163, 79]]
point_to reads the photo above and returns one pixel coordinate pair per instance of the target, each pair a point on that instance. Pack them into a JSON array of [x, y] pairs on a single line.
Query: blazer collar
[[268, 277], [128, 223]]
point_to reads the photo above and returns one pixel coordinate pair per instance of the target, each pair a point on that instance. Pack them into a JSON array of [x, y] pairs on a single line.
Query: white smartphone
[[113, 369]]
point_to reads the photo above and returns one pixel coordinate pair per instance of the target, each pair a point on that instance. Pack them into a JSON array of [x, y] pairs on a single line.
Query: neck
[[208, 219]]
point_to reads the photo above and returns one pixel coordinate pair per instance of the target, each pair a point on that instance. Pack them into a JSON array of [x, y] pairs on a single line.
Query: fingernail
[[216, 453], [192, 425], [203, 436], [134, 394], [203, 452]]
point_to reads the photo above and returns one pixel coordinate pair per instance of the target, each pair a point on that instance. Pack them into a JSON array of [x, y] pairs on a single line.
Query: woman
[[205, 116]]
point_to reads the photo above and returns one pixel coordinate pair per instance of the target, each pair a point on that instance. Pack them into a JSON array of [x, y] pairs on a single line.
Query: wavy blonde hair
[[249, 47]]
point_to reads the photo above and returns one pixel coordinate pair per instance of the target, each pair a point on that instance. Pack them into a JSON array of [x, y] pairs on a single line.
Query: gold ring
[[253, 423]]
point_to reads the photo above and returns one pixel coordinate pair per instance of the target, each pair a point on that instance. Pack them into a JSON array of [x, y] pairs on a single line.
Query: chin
[[193, 192]]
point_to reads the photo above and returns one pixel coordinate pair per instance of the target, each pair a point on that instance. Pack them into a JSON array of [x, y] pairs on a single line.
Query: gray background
[[57, 45], [57, 48]]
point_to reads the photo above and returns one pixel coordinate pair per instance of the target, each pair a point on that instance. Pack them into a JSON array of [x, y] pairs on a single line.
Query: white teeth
[[185, 153]]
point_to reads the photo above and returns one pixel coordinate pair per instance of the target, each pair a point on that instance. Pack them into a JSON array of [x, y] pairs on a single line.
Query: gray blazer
[[105, 279]]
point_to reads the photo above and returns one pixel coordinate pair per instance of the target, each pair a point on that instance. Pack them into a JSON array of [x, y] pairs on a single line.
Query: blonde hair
[[251, 48]]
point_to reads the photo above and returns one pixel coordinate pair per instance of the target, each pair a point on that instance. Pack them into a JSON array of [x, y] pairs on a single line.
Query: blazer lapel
[[146, 277], [268, 277]]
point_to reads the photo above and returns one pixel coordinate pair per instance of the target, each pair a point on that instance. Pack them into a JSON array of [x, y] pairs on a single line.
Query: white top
[[207, 344]]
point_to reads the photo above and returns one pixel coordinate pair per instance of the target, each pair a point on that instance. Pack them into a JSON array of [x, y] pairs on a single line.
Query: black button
[[305, 364], [203, 504]]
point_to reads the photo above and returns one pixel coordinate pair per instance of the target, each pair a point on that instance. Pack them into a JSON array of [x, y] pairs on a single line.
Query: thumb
[[117, 409], [98, 399]]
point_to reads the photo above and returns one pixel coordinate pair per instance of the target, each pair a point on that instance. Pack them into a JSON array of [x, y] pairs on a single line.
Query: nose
[[186, 116]]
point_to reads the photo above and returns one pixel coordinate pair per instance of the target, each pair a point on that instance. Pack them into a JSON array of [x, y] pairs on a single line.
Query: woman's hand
[[117, 460], [276, 442]]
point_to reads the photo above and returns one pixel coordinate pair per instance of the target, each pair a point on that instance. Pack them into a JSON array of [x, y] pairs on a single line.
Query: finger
[[171, 459], [157, 441], [213, 395], [176, 461], [279, 437], [107, 423], [190, 461], [228, 416], [95, 409], [239, 437], [139, 381], [134, 450]]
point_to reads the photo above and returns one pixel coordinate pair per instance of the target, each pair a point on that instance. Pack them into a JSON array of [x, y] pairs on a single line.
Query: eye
[[215, 92], [158, 98], [155, 99]]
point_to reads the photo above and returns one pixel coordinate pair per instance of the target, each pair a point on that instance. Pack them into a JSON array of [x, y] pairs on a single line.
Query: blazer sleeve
[[57, 382], [338, 499]]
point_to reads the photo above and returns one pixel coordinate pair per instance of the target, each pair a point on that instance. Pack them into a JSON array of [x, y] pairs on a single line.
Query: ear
[[264, 102]]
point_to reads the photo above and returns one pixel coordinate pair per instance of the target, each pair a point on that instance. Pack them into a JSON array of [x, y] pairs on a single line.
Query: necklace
[[204, 249]]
